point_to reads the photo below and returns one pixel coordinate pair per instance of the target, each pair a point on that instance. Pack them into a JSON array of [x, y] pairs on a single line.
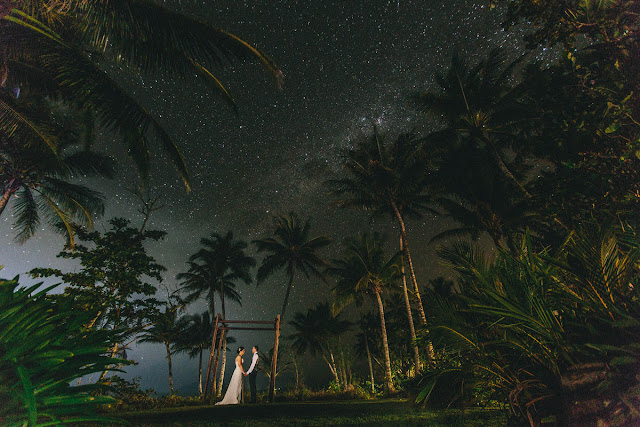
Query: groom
[[252, 373]]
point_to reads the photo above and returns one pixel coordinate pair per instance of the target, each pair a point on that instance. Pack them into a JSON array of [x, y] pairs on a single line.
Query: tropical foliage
[[62, 49], [364, 271], [114, 284], [45, 347], [552, 334]]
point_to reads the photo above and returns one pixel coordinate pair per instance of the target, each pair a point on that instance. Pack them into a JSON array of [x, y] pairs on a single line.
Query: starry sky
[[348, 65]]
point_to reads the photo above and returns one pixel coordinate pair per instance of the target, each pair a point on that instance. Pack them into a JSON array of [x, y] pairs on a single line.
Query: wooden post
[[274, 360], [213, 345], [215, 364]]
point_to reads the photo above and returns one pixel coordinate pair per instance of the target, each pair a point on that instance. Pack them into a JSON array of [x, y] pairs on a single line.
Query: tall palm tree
[[195, 339], [292, 249], [165, 329], [39, 175], [315, 331], [389, 178], [67, 48], [226, 261], [363, 271]]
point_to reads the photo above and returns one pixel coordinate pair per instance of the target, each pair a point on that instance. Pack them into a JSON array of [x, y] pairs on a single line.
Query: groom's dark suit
[[253, 373]]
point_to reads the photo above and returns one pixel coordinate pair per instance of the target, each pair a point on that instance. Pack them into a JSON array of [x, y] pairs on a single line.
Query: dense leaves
[[544, 332], [45, 347]]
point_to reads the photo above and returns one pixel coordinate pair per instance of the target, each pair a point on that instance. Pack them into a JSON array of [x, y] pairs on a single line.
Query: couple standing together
[[234, 390]]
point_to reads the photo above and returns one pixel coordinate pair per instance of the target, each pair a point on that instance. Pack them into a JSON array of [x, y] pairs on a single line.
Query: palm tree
[[200, 282], [389, 178], [39, 175], [314, 332], [195, 339], [165, 329], [226, 261], [480, 199], [482, 108], [292, 249], [66, 49], [364, 272]]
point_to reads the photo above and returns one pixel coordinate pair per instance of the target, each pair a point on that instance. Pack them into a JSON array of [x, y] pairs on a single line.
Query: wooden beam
[[274, 361], [236, 328], [213, 344], [257, 322]]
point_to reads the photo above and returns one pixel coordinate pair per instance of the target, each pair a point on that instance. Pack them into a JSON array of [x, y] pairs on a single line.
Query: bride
[[234, 390]]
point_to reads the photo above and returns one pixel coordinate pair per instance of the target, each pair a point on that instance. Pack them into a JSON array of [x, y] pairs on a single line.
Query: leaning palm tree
[[389, 178], [227, 263], [165, 329], [67, 49], [40, 178], [292, 249], [363, 271]]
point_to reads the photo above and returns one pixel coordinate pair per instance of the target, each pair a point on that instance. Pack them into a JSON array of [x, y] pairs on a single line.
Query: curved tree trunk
[[385, 345], [286, 295], [200, 373], [5, 198], [371, 376], [403, 235], [412, 329], [224, 343], [423, 317], [113, 353], [168, 347], [332, 367], [502, 166]]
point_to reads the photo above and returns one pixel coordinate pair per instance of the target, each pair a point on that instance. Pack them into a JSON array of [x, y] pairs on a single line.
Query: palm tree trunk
[[385, 344], [503, 168], [403, 235], [224, 341], [223, 366], [113, 353], [200, 373], [286, 295], [412, 329], [331, 367], [168, 347], [366, 346], [6, 196], [295, 366]]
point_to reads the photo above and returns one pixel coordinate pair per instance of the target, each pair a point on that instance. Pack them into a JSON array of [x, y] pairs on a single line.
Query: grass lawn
[[387, 412]]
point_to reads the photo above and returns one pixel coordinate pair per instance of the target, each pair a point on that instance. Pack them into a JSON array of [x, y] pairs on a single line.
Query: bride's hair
[[240, 349]]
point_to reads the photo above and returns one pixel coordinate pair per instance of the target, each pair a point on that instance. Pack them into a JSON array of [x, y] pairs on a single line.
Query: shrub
[[44, 348]]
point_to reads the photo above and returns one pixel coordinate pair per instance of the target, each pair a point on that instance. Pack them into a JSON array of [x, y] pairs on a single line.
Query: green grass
[[390, 412]]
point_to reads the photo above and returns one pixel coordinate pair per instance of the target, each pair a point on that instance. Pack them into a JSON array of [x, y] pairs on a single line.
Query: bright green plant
[[45, 347]]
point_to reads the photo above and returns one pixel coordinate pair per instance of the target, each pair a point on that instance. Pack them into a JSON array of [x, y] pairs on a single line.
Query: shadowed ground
[[370, 413]]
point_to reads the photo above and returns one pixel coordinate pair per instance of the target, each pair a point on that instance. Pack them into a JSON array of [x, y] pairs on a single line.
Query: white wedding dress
[[234, 390]]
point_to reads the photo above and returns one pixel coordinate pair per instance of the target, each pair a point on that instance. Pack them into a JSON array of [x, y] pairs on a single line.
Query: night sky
[[348, 65]]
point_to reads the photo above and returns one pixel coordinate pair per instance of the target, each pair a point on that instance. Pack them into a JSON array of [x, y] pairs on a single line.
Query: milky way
[[348, 65]]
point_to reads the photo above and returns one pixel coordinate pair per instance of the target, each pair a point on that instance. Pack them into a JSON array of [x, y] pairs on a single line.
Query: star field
[[347, 66]]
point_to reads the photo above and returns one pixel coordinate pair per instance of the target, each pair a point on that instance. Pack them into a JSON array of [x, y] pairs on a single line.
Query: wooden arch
[[223, 326]]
